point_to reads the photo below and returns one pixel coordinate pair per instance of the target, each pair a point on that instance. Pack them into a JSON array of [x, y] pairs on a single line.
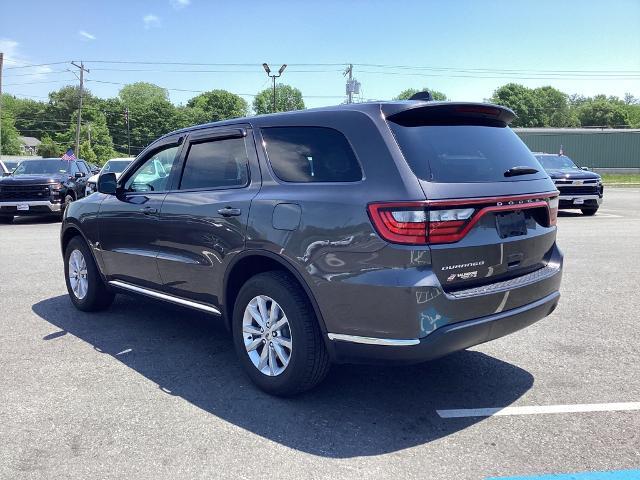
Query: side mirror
[[586, 169], [79, 175], [6, 174], [107, 183]]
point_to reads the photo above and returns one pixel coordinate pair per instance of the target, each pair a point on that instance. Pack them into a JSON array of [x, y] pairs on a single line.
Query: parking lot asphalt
[[147, 391]]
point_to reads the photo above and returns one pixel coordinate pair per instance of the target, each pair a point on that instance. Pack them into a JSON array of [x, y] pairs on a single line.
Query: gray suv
[[374, 232]]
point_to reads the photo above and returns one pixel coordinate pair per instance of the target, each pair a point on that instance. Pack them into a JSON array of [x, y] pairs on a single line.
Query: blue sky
[[534, 39]]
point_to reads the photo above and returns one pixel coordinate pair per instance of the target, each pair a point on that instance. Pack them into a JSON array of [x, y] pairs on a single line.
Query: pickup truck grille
[[10, 193], [578, 190]]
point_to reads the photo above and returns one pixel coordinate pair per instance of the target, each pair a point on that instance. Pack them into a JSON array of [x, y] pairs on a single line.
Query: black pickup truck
[[42, 187], [579, 188]]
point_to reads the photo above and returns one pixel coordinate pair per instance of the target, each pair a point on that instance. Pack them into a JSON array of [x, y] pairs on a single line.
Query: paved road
[[148, 391]]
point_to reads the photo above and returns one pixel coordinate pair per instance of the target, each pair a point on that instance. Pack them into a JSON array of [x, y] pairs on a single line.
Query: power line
[[494, 70], [30, 65], [515, 77], [52, 72]]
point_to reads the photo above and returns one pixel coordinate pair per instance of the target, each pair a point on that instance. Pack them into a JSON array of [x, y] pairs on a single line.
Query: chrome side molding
[[389, 342], [164, 296]]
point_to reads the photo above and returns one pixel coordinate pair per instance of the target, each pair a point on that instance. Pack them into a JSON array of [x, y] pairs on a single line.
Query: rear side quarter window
[[310, 155]]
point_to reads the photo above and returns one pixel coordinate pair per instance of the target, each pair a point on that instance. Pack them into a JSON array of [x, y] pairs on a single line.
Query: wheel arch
[[250, 263], [71, 231]]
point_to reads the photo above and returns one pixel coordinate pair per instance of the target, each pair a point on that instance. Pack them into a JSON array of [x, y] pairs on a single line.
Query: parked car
[[376, 232], [93, 168], [7, 166], [115, 165], [579, 188], [38, 187]]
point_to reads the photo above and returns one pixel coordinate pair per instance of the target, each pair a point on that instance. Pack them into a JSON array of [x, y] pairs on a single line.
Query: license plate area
[[578, 201], [22, 207], [511, 224]]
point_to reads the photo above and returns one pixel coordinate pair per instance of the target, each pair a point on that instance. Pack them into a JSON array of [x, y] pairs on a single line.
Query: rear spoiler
[[411, 114]]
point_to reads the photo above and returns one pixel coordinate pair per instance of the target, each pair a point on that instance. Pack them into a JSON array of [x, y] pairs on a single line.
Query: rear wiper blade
[[513, 171]]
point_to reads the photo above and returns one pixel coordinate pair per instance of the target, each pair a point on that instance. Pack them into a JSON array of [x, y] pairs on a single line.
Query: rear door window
[[464, 153], [310, 154], [216, 164]]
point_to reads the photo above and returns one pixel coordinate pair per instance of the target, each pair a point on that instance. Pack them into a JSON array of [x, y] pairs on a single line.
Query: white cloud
[[180, 4], [86, 35], [150, 21], [13, 57]]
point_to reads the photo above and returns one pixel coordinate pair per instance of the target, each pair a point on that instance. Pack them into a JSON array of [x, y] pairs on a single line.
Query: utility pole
[[126, 117], [273, 77], [82, 70], [353, 85], [1, 60], [349, 71]]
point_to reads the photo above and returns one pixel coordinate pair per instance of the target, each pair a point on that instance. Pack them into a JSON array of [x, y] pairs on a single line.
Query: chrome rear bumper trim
[[164, 296], [390, 342]]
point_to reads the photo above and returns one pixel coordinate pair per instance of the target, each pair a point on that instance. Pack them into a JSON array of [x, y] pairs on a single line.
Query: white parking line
[[538, 410]]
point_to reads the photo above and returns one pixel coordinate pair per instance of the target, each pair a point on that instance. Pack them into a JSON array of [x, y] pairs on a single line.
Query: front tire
[[85, 286], [276, 335], [589, 211]]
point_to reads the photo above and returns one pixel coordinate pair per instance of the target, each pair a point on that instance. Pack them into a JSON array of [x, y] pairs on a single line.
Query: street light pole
[[273, 77]]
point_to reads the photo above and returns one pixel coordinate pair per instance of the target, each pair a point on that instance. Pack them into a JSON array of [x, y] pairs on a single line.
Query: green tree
[[555, 110], [151, 114], [410, 92], [188, 116], [287, 98], [10, 137], [142, 93], [48, 148], [523, 101], [602, 111], [29, 115], [87, 153], [219, 105], [94, 131], [63, 103]]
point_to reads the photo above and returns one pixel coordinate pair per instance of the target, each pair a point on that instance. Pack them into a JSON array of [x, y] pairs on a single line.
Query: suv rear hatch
[[490, 208]]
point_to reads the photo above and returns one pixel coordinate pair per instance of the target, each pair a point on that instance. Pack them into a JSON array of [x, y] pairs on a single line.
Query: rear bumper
[[442, 341], [36, 207]]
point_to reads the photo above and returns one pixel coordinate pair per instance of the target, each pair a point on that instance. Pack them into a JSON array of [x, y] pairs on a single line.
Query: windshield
[[556, 162], [464, 153], [11, 164], [115, 166], [32, 167]]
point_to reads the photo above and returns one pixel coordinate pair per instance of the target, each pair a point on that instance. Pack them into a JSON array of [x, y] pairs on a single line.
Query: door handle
[[149, 210], [229, 212]]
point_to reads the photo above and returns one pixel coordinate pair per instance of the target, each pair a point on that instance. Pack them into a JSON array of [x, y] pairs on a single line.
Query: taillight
[[404, 223], [448, 221], [553, 204], [414, 224]]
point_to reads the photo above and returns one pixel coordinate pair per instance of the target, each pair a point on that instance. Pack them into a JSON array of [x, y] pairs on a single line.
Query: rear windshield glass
[[556, 162], [464, 153]]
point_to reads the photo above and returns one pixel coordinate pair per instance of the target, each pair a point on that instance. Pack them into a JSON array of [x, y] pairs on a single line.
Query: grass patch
[[624, 178]]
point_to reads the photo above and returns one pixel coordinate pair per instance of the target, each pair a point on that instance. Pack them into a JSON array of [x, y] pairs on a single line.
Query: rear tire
[[589, 211], [86, 288], [308, 361], [6, 219]]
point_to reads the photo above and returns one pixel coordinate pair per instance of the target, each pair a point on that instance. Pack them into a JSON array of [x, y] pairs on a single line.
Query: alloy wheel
[[267, 335], [78, 278]]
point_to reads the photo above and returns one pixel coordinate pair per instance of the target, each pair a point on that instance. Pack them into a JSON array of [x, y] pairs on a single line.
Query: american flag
[[69, 155]]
